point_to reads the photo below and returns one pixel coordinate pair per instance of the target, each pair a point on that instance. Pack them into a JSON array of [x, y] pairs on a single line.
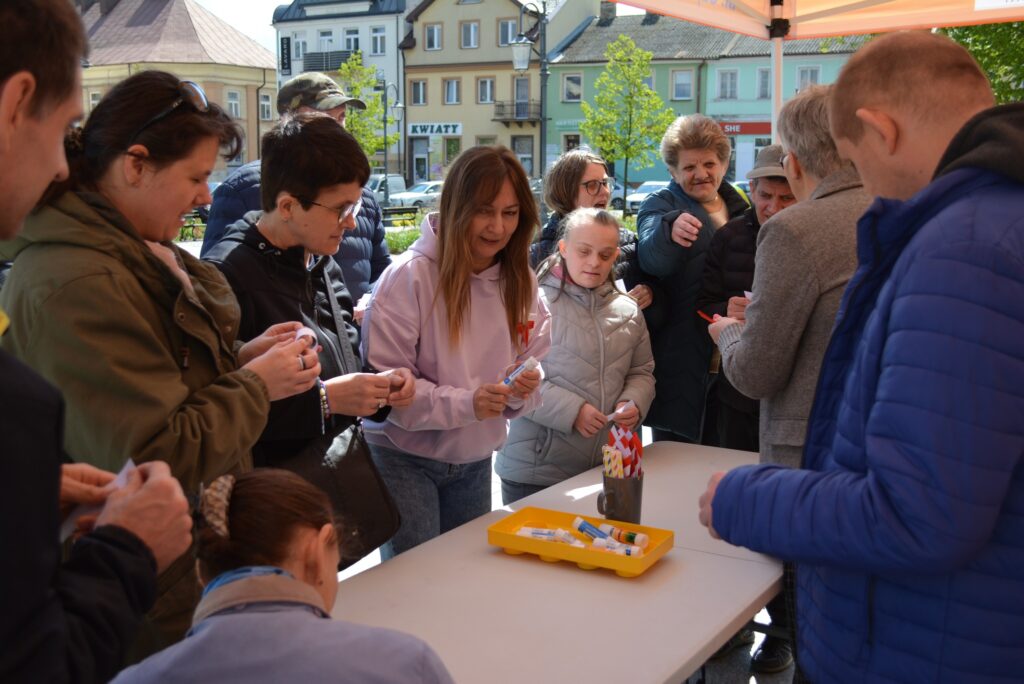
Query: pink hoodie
[[404, 326]]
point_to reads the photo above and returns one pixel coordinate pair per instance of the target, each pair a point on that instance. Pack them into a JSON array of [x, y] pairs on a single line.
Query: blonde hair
[[474, 180], [577, 218], [562, 185], [694, 132], [925, 74]]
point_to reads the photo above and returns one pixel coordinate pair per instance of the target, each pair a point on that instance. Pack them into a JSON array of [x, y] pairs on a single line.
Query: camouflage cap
[[316, 90]]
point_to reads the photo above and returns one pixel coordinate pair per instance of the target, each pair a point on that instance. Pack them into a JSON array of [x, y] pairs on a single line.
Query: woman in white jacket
[[600, 359]]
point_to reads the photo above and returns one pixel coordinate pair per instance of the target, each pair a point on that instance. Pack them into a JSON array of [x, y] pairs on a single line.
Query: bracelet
[[325, 406]]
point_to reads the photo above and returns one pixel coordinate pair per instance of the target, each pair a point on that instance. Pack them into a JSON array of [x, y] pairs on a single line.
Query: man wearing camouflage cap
[[363, 255]]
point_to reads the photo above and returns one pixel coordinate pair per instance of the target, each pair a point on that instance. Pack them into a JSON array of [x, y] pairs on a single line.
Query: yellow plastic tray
[[503, 534]]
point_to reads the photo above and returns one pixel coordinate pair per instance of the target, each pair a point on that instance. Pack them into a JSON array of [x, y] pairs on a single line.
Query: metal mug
[[621, 498]]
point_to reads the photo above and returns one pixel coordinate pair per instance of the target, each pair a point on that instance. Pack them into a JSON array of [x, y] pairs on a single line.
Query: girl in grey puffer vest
[[600, 358]]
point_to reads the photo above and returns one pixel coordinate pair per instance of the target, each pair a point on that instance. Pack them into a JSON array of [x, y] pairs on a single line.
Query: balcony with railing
[[325, 61], [517, 112]]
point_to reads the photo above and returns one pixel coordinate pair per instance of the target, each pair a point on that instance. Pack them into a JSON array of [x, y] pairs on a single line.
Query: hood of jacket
[[991, 140]]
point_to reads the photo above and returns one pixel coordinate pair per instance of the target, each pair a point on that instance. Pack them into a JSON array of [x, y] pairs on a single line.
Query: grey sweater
[[805, 256]]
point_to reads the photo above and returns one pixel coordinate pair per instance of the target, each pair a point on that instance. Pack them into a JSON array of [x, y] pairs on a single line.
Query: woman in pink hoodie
[[460, 308]]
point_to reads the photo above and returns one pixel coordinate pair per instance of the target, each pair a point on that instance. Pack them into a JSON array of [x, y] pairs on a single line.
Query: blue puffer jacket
[[907, 523], [363, 255]]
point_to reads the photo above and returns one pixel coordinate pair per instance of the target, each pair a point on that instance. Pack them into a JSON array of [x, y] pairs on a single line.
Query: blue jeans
[[432, 497], [514, 491]]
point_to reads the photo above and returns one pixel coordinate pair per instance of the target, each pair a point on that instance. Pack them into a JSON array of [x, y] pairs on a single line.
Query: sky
[[252, 17]]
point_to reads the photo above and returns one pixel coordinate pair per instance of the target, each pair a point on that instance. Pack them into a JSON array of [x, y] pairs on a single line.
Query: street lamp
[[521, 49], [397, 111]]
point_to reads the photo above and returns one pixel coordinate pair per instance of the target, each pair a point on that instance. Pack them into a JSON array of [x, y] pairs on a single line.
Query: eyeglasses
[[189, 93], [344, 211], [594, 186]]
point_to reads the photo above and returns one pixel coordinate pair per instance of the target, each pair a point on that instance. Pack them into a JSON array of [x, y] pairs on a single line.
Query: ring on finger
[[302, 363], [380, 403]]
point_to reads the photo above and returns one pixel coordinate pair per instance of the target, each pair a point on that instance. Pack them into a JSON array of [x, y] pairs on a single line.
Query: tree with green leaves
[[999, 49], [628, 118], [365, 125]]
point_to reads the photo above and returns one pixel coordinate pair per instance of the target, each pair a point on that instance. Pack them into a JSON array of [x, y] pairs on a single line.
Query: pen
[[703, 315]]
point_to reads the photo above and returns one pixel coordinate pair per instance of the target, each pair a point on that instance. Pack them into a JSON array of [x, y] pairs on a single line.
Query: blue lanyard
[[244, 573]]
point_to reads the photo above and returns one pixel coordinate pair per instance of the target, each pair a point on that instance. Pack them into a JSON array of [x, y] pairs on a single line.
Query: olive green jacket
[[147, 370]]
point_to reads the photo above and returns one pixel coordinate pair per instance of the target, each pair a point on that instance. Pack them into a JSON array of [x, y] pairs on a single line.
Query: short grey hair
[[804, 129]]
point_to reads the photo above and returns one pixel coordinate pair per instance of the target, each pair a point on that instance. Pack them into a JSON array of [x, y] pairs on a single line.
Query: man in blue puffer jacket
[[907, 520], [363, 255]]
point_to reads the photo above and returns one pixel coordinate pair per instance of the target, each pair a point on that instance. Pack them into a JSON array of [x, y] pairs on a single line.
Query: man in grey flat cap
[[364, 253]]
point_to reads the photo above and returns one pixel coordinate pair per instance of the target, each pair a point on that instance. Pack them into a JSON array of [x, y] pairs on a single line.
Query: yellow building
[[180, 36], [460, 87]]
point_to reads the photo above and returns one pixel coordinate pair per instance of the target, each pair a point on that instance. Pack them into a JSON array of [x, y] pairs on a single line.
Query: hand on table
[[705, 515], [643, 295]]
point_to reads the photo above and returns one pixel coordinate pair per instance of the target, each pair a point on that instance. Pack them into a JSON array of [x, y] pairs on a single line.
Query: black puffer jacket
[[274, 286], [363, 254], [728, 272]]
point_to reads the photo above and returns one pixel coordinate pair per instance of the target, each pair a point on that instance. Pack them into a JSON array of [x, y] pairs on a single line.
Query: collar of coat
[[259, 589]]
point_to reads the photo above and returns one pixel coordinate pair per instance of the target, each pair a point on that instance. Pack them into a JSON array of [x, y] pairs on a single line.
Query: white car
[[424, 194], [634, 200]]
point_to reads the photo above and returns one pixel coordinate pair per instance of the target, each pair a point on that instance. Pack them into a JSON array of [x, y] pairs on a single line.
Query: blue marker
[[527, 365], [583, 527]]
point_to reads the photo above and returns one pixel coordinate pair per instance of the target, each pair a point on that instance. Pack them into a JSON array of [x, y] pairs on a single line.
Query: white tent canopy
[[794, 19]]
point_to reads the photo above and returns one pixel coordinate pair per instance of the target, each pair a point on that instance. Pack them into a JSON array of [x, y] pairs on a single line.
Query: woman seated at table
[[267, 554], [278, 262], [140, 336]]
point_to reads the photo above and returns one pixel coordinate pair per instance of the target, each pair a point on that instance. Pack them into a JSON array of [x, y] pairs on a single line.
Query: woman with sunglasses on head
[[142, 338], [579, 180], [461, 309], [278, 262]]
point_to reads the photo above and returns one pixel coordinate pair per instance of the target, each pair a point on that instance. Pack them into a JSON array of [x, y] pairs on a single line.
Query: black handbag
[[340, 464]]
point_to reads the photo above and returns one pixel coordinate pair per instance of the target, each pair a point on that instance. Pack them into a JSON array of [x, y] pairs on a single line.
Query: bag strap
[[349, 364]]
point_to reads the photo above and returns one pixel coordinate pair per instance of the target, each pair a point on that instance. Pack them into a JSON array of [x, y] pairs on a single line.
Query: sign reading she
[[746, 127], [435, 129]]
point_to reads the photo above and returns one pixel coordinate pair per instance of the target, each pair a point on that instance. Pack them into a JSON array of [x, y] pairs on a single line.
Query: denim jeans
[[432, 497], [514, 491]]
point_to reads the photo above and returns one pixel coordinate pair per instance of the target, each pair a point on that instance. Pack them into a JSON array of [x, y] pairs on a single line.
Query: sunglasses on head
[[189, 93]]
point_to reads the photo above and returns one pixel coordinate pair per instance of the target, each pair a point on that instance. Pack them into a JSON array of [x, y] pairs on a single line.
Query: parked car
[[424, 194], [634, 199], [396, 184], [618, 198]]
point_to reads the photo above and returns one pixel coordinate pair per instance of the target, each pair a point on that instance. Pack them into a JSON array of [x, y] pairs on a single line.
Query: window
[[485, 90], [682, 85], [352, 39], [649, 81], [299, 45], [94, 99], [522, 146], [377, 44], [486, 140], [452, 94], [470, 31], [266, 111], [452, 147], [234, 103], [432, 37], [727, 79], [508, 29], [806, 76], [325, 40], [419, 92], [570, 141], [764, 84], [572, 87]]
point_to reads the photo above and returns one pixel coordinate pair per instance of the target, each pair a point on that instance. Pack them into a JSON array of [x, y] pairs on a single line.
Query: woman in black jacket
[[279, 265], [579, 179]]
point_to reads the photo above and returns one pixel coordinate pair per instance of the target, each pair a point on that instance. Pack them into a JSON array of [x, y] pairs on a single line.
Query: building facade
[[182, 37], [460, 87], [319, 35], [694, 68]]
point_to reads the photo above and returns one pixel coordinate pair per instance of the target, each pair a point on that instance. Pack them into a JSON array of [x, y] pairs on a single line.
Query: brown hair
[[562, 185], [305, 153], [265, 509], [694, 132], [119, 121], [925, 74], [474, 180], [46, 39], [803, 129]]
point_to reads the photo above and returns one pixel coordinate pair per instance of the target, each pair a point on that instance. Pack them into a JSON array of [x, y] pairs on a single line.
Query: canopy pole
[[777, 30]]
